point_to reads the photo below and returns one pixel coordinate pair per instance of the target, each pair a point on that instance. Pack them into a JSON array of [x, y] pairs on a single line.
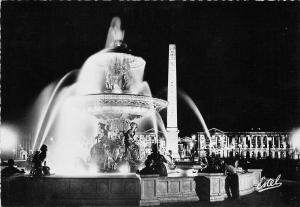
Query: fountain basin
[[211, 186], [56, 190], [131, 189], [193, 187], [122, 106]]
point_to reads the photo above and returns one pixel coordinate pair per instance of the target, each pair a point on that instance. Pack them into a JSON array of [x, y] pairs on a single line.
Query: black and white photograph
[[150, 103]]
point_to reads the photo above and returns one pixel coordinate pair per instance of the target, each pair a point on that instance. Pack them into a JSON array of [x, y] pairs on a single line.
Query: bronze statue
[[38, 169], [155, 163]]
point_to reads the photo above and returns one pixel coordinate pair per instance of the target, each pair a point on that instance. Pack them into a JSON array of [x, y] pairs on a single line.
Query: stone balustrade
[[204, 186], [211, 186]]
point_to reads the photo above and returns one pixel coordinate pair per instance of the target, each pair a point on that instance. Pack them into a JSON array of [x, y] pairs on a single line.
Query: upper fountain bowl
[[111, 85], [112, 70]]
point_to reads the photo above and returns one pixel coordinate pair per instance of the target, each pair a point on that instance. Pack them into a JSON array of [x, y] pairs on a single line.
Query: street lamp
[[8, 141], [8, 138]]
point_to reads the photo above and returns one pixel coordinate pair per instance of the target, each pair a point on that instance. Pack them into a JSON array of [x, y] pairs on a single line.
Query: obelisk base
[[172, 142]]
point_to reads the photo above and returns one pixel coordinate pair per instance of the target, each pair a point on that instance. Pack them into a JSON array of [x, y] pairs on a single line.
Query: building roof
[[214, 130]]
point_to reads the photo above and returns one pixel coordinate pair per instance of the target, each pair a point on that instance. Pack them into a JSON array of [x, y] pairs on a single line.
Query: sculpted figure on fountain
[[38, 169], [129, 137], [118, 75], [115, 145], [155, 163]]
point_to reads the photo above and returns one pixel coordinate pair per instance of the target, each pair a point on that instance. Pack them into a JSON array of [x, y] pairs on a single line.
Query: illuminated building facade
[[258, 144]]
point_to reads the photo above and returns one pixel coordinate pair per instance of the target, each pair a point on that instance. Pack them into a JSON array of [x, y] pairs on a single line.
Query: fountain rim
[[118, 99]]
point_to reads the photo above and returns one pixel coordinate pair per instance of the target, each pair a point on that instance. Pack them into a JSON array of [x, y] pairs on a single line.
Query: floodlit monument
[[172, 130]]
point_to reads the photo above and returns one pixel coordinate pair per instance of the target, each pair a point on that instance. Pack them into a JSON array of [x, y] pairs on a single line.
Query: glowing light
[[73, 141], [93, 169], [124, 168], [8, 138], [295, 139]]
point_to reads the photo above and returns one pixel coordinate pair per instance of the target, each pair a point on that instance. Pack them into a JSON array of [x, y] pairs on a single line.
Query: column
[[261, 142], [279, 141], [267, 142], [273, 142], [222, 141], [255, 141], [250, 141]]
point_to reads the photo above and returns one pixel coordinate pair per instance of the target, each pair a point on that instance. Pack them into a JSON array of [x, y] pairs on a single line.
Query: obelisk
[[172, 130]]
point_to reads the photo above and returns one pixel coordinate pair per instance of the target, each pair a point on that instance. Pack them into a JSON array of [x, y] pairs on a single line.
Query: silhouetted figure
[[157, 161], [231, 182], [46, 169], [148, 169], [38, 160], [222, 165], [10, 170], [8, 183], [217, 164]]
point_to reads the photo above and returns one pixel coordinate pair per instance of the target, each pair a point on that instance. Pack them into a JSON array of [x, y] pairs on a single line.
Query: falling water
[[153, 117], [38, 108], [144, 89], [60, 100], [161, 124], [195, 109], [43, 121]]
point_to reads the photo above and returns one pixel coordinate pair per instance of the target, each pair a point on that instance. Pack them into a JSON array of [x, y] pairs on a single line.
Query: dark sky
[[240, 62]]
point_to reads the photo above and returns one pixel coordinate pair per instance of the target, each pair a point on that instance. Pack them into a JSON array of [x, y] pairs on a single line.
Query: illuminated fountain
[[86, 126], [90, 118]]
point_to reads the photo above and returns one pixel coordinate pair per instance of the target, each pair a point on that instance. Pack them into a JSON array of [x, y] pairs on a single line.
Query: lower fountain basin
[[57, 190], [130, 189]]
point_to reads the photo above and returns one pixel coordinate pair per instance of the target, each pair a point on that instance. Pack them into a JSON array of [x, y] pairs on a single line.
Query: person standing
[[231, 181]]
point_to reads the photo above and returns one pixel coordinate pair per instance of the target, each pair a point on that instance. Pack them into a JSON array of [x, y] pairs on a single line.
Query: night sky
[[239, 62]]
